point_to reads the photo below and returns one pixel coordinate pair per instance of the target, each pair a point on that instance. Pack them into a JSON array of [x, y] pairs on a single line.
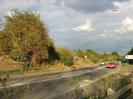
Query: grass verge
[[20, 70], [10, 72]]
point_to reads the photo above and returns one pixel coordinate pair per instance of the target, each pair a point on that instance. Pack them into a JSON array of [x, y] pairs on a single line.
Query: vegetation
[[15, 55], [66, 56], [5, 42], [98, 57], [28, 34], [68, 61], [80, 53], [130, 52], [24, 38], [16, 71]]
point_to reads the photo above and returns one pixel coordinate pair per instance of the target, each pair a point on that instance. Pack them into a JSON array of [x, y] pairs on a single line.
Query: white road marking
[[25, 83], [80, 86]]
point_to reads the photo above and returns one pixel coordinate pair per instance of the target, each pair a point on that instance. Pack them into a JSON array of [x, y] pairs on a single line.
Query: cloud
[[124, 7], [103, 35], [89, 6], [127, 25], [8, 5], [85, 27], [64, 17]]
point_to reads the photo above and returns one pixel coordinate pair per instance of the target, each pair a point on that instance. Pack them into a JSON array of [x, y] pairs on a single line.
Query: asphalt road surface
[[49, 86]]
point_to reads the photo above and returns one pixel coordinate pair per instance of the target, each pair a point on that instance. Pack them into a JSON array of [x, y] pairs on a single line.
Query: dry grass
[[123, 71], [49, 68], [6, 63], [4, 59], [58, 67]]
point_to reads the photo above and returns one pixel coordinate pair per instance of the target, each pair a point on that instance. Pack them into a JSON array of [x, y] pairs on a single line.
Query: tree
[[64, 52], [5, 43], [92, 55], [115, 53], [66, 56], [29, 35], [52, 52], [130, 52], [80, 53]]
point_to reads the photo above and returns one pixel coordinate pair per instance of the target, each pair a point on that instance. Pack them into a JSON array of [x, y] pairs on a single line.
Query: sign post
[[129, 57]]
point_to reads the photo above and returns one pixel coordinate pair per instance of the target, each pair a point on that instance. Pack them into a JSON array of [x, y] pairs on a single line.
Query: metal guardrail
[[120, 92]]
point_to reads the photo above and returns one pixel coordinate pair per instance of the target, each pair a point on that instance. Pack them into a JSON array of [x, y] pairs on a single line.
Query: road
[[49, 86]]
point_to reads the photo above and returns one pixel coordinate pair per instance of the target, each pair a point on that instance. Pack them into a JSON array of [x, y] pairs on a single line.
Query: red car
[[111, 65]]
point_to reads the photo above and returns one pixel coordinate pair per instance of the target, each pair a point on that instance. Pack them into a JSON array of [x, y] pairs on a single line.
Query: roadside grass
[[10, 72], [23, 68], [49, 68], [126, 65], [58, 67], [11, 67]]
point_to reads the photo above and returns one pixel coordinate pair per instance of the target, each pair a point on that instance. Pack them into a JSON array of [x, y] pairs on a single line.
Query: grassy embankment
[[11, 67]]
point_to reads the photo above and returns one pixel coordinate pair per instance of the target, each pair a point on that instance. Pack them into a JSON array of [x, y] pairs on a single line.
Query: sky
[[101, 25]]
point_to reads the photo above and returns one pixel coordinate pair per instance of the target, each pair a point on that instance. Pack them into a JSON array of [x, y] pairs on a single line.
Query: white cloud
[[57, 14], [108, 31], [116, 30], [7, 5], [127, 25], [85, 27], [124, 6], [103, 35]]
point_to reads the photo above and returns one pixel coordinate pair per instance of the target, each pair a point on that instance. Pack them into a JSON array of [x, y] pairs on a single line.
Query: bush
[[29, 36], [24, 67], [15, 55], [68, 61], [64, 52]]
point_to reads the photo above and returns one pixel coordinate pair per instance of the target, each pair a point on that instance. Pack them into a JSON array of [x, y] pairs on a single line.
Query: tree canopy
[[29, 36], [130, 52]]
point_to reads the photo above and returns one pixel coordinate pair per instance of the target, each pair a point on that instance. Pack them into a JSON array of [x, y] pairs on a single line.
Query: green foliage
[[15, 55], [12, 72], [115, 53], [5, 43], [92, 55], [80, 53], [68, 61], [130, 52], [66, 56], [125, 65], [64, 52], [21, 70], [29, 35], [25, 38], [96, 57], [24, 67], [114, 56], [52, 53]]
